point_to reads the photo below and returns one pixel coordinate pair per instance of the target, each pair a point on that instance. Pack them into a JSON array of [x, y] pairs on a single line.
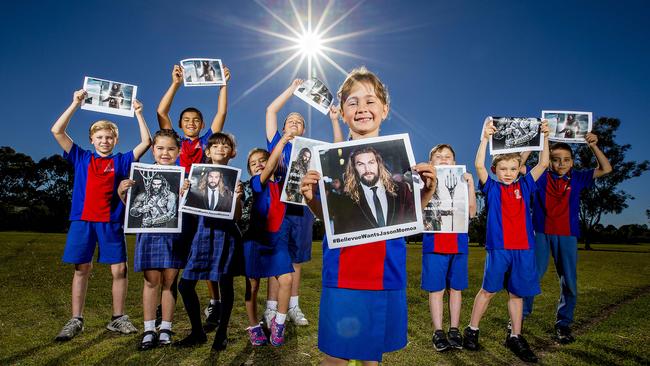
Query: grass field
[[612, 322]]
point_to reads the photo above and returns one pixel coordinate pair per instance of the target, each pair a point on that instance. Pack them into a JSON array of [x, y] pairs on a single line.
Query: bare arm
[[335, 114], [308, 186], [471, 194], [274, 158], [222, 109], [544, 159], [60, 126], [166, 102], [479, 162], [524, 158], [428, 174], [604, 167], [145, 136], [275, 106]]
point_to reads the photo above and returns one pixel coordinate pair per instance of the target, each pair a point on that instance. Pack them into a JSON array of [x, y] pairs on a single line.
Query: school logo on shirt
[[109, 167], [517, 194]]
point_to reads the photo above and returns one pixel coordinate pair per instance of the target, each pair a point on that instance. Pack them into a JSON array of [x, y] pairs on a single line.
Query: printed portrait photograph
[[516, 134], [152, 204], [568, 126], [447, 211], [368, 191], [301, 161], [316, 94], [203, 72], [109, 96], [212, 189]]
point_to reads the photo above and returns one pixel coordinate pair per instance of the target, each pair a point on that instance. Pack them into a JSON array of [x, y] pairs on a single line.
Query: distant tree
[[54, 186], [478, 224]]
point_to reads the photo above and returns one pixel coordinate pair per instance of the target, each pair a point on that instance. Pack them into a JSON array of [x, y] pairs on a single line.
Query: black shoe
[[520, 347], [213, 315], [220, 342], [455, 338], [158, 315], [192, 340], [470, 339], [165, 342], [563, 334], [151, 344], [440, 342]]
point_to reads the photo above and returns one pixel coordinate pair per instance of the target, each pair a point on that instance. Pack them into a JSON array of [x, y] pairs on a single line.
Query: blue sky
[[447, 65]]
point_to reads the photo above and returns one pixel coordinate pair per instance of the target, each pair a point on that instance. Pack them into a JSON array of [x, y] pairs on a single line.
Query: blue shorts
[[441, 271], [361, 324], [299, 233], [84, 235], [512, 269]]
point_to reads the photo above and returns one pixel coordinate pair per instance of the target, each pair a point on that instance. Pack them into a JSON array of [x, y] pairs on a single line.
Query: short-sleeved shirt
[[94, 193], [509, 224], [192, 151], [268, 211], [283, 164], [445, 243], [556, 205]]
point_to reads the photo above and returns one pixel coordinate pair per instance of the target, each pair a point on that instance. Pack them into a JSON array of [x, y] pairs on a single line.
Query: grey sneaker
[[296, 316], [71, 329], [122, 325]]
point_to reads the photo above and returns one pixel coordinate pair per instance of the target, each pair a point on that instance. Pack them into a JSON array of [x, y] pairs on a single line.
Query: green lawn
[[612, 321]]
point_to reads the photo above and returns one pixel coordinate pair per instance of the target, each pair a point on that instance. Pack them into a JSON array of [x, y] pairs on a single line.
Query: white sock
[[293, 302], [273, 305], [149, 325], [165, 325], [280, 318], [214, 301], [472, 328]]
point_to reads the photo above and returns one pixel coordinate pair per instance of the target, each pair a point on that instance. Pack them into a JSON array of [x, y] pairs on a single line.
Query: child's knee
[[255, 285], [83, 270], [285, 280], [486, 294], [119, 271]]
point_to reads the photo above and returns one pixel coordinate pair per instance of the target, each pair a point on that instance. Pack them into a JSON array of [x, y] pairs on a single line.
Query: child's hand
[[239, 191], [335, 113], [137, 106], [308, 185], [591, 138], [488, 128], [469, 179], [226, 73], [295, 84], [544, 128], [288, 136], [428, 174], [123, 188], [185, 187], [177, 74], [78, 97]]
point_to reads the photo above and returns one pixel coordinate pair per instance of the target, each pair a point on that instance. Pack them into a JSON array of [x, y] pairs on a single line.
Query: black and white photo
[[316, 94], [568, 126], [300, 162], [152, 203], [212, 191], [203, 72], [380, 195], [516, 134], [109, 96], [447, 211]]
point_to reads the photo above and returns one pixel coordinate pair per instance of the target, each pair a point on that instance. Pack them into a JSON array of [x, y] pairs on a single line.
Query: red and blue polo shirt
[[445, 243], [192, 151], [94, 193], [283, 164], [557, 202], [509, 224], [268, 211]]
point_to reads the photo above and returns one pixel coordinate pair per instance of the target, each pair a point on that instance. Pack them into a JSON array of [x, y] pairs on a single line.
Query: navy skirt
[[212, 249], [158, 251]]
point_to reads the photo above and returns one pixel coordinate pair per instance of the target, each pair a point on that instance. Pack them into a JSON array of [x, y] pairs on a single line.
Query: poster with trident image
[[447, 212]]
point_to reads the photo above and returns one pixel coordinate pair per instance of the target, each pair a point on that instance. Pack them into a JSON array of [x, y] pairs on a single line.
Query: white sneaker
[[122, 325], [268, 315], [296, 316]]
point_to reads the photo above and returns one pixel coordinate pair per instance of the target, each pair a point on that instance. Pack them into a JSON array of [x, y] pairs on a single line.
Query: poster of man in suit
[[211, 190]]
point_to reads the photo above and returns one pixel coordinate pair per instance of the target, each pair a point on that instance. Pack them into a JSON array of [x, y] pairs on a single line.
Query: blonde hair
[[351, 182], [103, 124], [360, 75], [503, 157]]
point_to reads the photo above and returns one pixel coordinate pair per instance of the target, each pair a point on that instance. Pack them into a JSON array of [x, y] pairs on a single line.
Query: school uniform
[[444, 261], [158, 251], [510, 243], [212, 249], [556, 208], [192, 151]]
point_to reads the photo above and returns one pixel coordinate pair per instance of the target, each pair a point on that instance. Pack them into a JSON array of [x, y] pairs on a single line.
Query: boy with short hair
[[97, 212], [556, 221], [510, 258]]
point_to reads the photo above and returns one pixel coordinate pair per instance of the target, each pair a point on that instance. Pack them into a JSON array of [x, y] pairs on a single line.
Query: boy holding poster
[[364, 286], [96, 213], [444, 263]]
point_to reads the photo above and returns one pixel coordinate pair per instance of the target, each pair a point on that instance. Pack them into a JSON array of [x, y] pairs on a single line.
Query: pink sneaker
[[277, 333], [256, 335]]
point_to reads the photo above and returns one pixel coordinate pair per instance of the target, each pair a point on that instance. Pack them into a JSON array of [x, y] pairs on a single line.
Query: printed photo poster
[[378, 196], [203, 72], [301, 161], [447, 212], [212, 191], [152, 203], [568, 126], [316, 94], [109, 96], [516, 134]]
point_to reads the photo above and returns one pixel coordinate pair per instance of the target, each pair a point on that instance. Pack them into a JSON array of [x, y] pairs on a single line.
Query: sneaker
[[213, 314], [470, 339], [455, 338], [211, 309], [520, 347], [296, 316], [149, 341], [440, 342], [563, 334], [277, 333], [122, 325], [256, 335], [70, 330], [269, 314]]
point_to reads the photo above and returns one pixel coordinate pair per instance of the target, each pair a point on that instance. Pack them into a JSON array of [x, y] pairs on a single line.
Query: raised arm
[[308, 187], [60, 126], [479, 162], [335, 114], [274, 158], [145, 135], [164, 122], [275, 106], [604, 167], [544, 158], [524, 158], [222, 108], [471, 194]]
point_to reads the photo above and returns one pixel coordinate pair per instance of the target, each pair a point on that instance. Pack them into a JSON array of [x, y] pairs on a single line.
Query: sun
[[310, 44]]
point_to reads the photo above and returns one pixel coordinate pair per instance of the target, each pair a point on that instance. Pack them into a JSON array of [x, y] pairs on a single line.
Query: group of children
[[363, 310]]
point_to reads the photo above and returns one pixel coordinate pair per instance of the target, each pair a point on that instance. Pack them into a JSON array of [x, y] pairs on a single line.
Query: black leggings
[[187, 289]]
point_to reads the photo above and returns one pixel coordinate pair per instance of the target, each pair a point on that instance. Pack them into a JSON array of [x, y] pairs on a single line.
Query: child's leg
[[542, 254], [333, 361], [455, 302], [213, 290], [272, 289], [120, 284], [515, 310], [80, 287], [168, 300], [295, 279], [227, 300], [565, 253], [284, 292], [187, 288], [252, 287], [481, 302], [152, 279], [436, 308]]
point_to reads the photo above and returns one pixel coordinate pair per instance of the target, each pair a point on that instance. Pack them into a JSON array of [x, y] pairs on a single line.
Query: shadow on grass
[[591, 358], [22, 356]]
